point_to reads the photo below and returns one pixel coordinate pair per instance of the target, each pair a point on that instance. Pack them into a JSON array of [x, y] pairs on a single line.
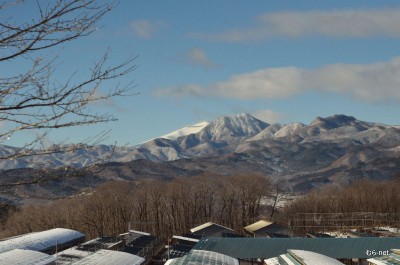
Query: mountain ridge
[[239, 133], [333, 150]]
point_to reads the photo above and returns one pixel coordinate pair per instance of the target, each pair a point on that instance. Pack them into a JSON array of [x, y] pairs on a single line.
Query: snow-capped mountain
[[334, 149], [296, 145]]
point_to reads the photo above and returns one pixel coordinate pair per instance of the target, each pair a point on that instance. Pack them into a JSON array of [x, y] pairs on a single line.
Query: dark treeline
[[158, 207], [364, 204]]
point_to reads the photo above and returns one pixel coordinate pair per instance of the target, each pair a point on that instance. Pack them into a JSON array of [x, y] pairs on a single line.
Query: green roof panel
[[254, 248]]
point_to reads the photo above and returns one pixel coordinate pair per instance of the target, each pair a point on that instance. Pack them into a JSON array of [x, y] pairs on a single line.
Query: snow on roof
[[377, 262], [199, 257], [257, 225], [40, 241], [391, 258], [200, 227], [25, 257], [312, 258], [105, 257], [71, 255], [186, 238], [139, 232]]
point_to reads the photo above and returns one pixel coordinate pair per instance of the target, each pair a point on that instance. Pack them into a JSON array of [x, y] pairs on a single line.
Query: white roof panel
[[205, 225], [257, 225], [186, 238], [312, 258], [71, 255], [199, 257], [25, 257], [106, 257], [40, 241]]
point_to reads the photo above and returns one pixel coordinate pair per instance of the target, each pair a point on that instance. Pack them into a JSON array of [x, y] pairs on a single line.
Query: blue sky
[[283, 61]]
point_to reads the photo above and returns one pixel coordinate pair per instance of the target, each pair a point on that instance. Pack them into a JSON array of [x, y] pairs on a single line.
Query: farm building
[[179, 246], [344, 249], [49, 241], [211, 229], [26, 257]]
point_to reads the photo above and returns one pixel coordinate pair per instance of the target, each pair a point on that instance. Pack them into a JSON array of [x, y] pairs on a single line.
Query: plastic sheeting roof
[[106, 257], [41, 241], [71, 255], [312, 258], [25, 257], [199, 257], [253, 248]]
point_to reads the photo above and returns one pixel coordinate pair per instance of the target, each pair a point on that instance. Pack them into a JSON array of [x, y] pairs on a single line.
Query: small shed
[[265, 228], [211, 229]]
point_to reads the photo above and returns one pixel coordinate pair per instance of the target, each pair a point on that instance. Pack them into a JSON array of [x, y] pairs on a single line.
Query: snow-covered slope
[[242, 133], [191, 129]]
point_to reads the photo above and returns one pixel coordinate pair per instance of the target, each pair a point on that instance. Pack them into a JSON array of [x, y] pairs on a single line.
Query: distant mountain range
[[336, 149]]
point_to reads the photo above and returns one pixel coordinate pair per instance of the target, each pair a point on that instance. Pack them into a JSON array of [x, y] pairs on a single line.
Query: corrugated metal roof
[[25, 257], [257, 225], [253, 248], [106, 257], [41, 241], [199, 257]]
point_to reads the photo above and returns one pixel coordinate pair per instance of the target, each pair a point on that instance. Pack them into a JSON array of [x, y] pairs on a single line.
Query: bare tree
[[33, 99], [277, 196]]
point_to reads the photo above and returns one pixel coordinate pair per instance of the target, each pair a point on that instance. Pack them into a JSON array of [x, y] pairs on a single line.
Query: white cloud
[[145, 29], [369, 82], [339, 23], [268, 116]]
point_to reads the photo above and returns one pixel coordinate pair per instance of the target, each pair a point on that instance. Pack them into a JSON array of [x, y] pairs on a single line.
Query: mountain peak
[[242, 125], [334, 121]]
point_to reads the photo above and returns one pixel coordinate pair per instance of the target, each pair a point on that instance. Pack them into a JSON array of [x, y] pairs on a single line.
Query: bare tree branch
[[33, 99]]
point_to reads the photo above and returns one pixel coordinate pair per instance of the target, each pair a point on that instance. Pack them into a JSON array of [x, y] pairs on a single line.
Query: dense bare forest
[[363, 204], [166, 208], [158, 207]]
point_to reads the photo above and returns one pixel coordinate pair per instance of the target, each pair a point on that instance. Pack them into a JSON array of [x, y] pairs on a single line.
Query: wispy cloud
[[369, 82], [145, 29], [268, 116], [296, 24], [195, 57], [198, 57]]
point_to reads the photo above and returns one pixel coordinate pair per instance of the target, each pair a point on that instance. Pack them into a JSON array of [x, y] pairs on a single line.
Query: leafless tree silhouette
[[33, 98]]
